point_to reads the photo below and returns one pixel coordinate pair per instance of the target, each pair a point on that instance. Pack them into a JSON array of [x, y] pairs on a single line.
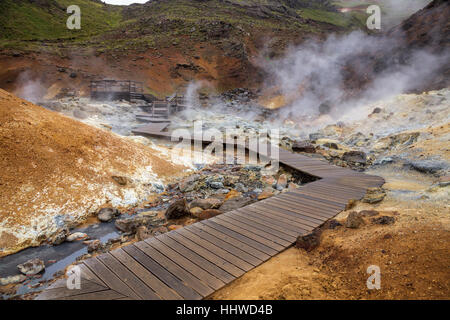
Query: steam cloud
[[311, 75]]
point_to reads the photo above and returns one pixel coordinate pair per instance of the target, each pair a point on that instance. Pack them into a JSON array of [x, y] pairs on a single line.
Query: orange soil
[[53, 165], [156, 68], [413, 255]]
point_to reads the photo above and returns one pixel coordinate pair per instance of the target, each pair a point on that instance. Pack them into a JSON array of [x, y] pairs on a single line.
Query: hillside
[[56, 171], [163, 43]]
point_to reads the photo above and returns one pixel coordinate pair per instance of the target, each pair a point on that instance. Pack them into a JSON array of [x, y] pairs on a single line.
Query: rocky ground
[[405, 230], [403, 139]]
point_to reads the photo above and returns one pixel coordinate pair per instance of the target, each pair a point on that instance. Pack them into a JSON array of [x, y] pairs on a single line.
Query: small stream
[[64, 255]]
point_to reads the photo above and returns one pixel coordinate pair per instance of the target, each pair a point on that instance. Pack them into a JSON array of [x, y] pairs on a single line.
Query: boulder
[[195, 211], [374, 195], [428, 166], [310, 241], [59, 237], [107, 214], [216, 185], [281, 182], [12, 279], [31, 267], [267, 193], [77, 236], [383, 220], [207, 214], [142, 233], [354, 220], [177, 209], [188, 184], [355, 157], [332, 224], [210, 203], [130, 225], [303, 146], [235, 203], [94, 245]]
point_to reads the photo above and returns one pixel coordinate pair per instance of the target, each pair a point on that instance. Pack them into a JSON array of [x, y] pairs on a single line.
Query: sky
[[124, 2]]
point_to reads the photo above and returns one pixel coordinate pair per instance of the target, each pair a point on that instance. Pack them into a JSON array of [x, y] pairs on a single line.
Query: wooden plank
[[277, 219], [307, 213], [242, 223], [187, 278], [233, 241], [109, 278], [165, 276], [328, 195], [260, 220], [208, 255], [301, 198], [298, 195], [232, 233], [153, 282], [323, 210], [197, 259], [305, 222], [63, 291], [100, 295], [89, 275], [306, 209], [338, 188], [324, 213], [260, 225], [277, 247], [186, 264], [128, 277], [253, 261], [204, 243]]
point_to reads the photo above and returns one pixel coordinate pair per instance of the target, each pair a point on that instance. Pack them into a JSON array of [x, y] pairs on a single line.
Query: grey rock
[[235, 203], [383, 161], [77, 236], [374, 195], [355, 157], [303, 146], [216, 184], [94, 245], [12, 279], [107, 214], [177, 209], [31, 267], [240, 187], [130, 225], [428, 166], [354, 220], [59, 237], [310, 241], [210, 203], [384, 220]]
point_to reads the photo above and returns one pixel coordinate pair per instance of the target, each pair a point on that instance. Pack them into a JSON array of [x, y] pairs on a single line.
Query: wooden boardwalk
[[197, 260]]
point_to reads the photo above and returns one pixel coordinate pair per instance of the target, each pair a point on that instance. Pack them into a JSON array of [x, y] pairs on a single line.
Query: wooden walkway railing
[[197, 260]]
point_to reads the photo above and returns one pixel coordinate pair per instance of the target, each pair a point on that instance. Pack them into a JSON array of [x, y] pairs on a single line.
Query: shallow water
[[64, 254]]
